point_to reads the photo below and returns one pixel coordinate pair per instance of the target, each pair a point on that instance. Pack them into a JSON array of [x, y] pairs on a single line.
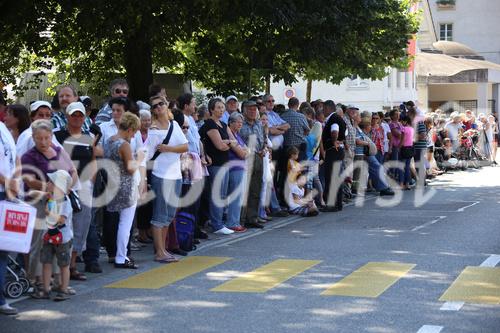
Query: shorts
[[167, 194], [62, 252]]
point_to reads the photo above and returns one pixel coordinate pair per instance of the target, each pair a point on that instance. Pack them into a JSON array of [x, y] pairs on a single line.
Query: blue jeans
[[396, 172], [407, 173], [235, 190], [217, 212], [374, 166], [3, 264], [3, 269], [167, 194]]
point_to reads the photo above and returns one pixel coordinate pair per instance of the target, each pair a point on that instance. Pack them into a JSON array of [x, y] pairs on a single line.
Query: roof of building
[[435, 64], [455, 49]]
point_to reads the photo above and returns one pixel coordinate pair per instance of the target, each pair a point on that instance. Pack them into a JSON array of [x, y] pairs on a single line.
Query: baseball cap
[[37, 104], [74, 107], [230, 97], [350, 106], [250, 103]]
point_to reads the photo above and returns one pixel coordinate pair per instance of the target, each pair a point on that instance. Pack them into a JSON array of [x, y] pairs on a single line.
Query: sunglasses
[[270, 101], [154, 106], [119, 91], [185, 127]]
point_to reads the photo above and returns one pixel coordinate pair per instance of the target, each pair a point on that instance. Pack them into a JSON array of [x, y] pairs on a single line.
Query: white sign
[[17, 221]]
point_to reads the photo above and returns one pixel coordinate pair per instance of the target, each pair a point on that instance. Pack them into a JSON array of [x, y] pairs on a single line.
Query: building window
[[389, 79], [445, 4], [468, 105], [407, 79], [446, 31], [398, 79], [355, 82]]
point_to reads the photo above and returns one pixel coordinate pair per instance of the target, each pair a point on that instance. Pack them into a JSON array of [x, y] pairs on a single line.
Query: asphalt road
[[451, 235]]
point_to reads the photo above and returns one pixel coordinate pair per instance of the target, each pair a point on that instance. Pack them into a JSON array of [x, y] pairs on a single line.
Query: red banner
[[16, 221]]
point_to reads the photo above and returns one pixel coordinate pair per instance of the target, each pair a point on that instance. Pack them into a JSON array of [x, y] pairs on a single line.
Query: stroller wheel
[[14, 289], [25, 283]]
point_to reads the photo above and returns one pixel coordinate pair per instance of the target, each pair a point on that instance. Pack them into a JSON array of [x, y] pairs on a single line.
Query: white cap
[[61, 179], [37, 104], [230, 97], [74, 107], [350, 106]]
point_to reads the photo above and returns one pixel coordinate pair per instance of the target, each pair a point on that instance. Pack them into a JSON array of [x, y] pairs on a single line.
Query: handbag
[[407, 152], [75, 201]]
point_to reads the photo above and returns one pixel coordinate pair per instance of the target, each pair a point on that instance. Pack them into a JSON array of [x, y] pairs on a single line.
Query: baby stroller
[[16, 282]]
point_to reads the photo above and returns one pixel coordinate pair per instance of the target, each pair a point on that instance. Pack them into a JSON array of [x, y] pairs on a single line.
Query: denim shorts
[[165, 203]]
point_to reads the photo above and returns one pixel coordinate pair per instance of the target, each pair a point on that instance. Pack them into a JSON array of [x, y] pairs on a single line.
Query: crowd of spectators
[[119, 178]]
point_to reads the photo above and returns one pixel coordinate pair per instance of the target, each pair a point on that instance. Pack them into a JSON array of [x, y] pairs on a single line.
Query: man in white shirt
[[454, 129], [232, 105]]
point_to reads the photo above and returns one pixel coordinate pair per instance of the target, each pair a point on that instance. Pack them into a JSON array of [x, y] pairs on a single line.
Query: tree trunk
[[268, 83], [139, 63], [309, 90]]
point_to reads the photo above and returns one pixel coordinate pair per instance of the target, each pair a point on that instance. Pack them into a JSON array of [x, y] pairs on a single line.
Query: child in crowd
[[294, 166], [298, 202], [58, 239]]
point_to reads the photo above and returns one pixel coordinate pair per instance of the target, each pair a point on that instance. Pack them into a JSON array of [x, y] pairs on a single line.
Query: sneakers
[[224, 231], [8, 310]]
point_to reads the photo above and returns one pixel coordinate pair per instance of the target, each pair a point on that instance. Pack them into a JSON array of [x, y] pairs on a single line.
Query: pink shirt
[[408, 136]]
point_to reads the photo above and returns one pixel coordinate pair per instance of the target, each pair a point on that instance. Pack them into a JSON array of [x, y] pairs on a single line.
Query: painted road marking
[[371, 280], [430, 329], [491, 261], [266, 277], [169, 273], [452, 306], [428, 223], [468, 206], [480, 285]]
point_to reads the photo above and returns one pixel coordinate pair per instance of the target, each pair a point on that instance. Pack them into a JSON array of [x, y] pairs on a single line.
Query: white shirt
[[8, 154], [25, 141], [110, 129], [166, 165], [294, 189], [387, 129]]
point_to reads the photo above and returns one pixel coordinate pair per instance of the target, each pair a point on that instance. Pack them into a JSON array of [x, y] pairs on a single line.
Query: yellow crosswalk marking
[[169, 273], [267, 277], [371, 280], [475, 285]]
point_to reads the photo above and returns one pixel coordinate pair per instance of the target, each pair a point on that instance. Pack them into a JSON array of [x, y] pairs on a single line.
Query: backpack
[[184, 225]]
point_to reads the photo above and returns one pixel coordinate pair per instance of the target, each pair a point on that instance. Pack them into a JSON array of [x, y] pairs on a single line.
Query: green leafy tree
[[227, 46]]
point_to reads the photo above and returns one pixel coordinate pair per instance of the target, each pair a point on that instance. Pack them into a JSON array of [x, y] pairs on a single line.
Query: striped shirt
[[421, 129], [59, 122]]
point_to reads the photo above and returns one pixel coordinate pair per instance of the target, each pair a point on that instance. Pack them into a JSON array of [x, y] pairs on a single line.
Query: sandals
[[61, 296], [69, 291], [40, 294], [167, 259], [76, 275], [127, 264]]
